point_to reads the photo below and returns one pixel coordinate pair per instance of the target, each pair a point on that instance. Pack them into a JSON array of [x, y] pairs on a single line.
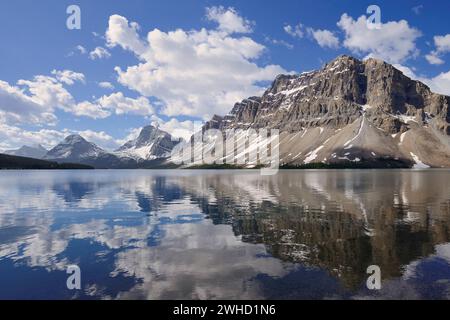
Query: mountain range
[[150, 149], [356, 113]]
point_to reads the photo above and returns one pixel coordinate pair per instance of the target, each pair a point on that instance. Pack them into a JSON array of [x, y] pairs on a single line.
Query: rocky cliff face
[[350, 111]]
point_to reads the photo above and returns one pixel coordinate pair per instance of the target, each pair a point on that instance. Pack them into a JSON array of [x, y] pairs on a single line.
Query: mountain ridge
[[149, 149], [349, 111]]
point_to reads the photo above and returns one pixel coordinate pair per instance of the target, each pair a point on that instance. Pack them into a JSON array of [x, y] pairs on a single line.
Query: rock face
[[152, 143], [350, 111], [36, 152]]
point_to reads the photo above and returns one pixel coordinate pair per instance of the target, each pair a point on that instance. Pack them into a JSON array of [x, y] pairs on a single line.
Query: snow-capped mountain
[[150, 149], [152, 143], [36, 152], [361, 113], [75, 148]]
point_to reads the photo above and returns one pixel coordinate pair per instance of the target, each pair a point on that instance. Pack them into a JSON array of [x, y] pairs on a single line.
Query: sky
[[175, 63]]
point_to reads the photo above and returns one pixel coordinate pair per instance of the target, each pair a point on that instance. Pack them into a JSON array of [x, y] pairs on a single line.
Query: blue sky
[[109, 78]]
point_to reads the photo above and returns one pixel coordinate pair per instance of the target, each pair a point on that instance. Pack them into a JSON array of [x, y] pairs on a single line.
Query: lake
[[194, 234]]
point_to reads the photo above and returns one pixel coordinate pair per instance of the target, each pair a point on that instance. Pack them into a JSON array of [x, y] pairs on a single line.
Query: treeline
[[8, 162]]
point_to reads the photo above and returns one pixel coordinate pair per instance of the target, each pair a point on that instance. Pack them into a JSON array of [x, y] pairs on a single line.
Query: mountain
[[149, 150], [75, 148], [349, 113], [36, 152], [152, 143]]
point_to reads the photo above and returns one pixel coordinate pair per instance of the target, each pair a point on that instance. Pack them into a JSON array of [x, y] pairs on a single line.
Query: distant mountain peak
[[33, 151], [151, 143], [75, 148], [74, 138]]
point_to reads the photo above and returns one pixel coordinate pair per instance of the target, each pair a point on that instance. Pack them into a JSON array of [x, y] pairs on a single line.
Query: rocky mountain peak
[[74, 147], [363, 109], [151, 143], [74, 138]]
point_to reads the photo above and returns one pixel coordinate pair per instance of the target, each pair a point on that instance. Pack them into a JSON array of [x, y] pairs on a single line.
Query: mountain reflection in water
[[225, 234]]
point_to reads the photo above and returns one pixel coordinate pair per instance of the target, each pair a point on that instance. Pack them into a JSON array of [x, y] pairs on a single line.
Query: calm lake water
[[225, 234]]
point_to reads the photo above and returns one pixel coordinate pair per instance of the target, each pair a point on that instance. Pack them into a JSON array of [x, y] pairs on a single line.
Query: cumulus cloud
[[178, 129], [90, 109], [197, 72], [124, 105], [229, 20], [99, 53], [106, 85], [439, 84], [35, 101], [294, 31], [325, 38], [16, 106], [433, 58], [48, 92], [442, 44], [394, 42], [100, 138], [68, 77], [114, 103], [124, 34], [14, 137]]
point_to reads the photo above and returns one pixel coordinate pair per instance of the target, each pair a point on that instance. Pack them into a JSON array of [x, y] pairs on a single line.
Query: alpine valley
[[351, 113]]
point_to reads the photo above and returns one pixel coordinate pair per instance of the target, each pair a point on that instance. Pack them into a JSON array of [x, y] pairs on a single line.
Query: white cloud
[[442, 44], [178, 129], [394, 42], [81, 49], [124, 34], [16, 107], [99, 53], [433, 58], [133, 133], [124, 105], [324, 38], [90, 110], [279, 42], [48, 92], [439, 84], [100, 138], [68, 77], [115, 102], [229, 20], [294, 31], [15, 137], [196, 72], [106, 85], [35, 101]]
